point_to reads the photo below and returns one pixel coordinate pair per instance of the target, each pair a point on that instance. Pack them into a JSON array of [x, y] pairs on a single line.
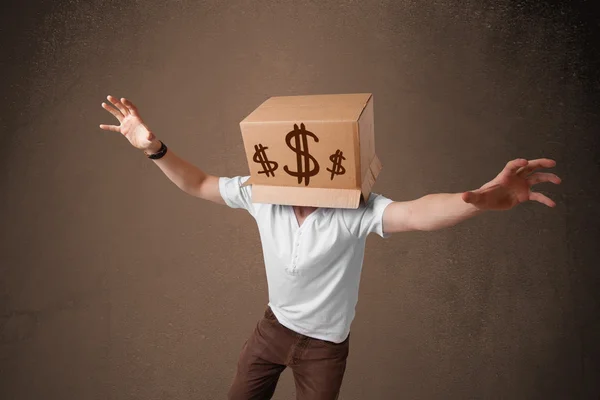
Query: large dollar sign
[[303, 157], [260, 157], [337, 169]]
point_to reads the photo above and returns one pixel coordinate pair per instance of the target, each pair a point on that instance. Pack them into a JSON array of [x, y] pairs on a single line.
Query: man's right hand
[[131, 125], [185, 175]]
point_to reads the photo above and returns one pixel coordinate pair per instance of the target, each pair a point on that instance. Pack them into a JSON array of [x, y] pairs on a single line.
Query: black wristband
[[160, 153]]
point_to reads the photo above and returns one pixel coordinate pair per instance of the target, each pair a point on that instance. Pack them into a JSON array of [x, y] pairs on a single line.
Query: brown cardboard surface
[[331, 137], [343, 107], [370, 165], [315, 143], [370, 176]]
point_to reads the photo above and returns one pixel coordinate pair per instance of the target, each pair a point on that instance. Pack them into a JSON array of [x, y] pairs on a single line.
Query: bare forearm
[[439, 211], [186, 176]]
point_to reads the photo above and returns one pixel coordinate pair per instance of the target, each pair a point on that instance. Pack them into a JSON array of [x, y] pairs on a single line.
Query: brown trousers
[[318, 365]]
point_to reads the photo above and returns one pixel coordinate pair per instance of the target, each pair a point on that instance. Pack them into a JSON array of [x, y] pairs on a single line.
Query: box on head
[[316, 151]]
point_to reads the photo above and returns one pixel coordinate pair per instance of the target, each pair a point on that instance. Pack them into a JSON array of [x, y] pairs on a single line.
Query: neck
[[303, 211]]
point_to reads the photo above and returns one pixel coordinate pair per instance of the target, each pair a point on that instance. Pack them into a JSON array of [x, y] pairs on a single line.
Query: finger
[[514, 165], [537, 164], [113, 128], [535, 196], [541, 177], [130, 106], [118, 104], [113, 111]]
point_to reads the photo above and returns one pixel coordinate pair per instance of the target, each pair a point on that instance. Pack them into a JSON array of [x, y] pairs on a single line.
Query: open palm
[[512, 186], [131, 124]]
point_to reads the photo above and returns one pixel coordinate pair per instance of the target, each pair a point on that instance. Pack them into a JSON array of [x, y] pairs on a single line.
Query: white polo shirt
[[313, 270]]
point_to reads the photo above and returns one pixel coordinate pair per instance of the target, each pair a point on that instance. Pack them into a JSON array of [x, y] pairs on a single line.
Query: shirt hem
[[335, 338]]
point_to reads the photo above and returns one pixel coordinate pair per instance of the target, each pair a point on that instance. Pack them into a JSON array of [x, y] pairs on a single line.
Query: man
[[313, 259]]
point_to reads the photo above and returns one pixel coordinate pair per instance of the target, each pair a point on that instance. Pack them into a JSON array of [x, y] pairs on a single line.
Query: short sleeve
[[235, 195], [368, 218]]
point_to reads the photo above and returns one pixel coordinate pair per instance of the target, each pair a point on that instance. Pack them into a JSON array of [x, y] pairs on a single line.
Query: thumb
[[470, 197]]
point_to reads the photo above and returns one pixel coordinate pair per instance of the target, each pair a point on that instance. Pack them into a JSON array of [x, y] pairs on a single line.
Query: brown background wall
[[116, 285]]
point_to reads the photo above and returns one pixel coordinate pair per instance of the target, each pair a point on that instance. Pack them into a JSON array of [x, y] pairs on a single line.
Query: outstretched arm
[[509, 188], [184, 175]]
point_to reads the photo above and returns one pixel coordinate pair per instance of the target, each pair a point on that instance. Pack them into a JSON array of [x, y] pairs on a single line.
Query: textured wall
[[116, 285]]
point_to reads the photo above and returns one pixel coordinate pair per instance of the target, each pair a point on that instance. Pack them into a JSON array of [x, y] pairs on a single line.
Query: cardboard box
[[312, 150]]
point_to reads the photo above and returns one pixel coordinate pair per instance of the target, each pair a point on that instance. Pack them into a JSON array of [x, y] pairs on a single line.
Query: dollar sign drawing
[[338, 168], [303, 157], [260, 157]]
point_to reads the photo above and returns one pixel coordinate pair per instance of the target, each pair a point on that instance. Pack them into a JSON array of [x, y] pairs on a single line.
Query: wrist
[[158, 154], [155, 145]]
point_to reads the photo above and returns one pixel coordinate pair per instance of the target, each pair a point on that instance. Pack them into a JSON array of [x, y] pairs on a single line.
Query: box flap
[[331, 107], [310, 197], [322, 100], [370, 177]]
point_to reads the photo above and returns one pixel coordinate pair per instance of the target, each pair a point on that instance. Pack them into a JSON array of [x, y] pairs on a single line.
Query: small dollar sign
[[338, 168], [260, 157], [303, 157]]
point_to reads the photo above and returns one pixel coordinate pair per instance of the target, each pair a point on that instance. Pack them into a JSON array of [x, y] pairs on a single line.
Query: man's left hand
[[513, 185]]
